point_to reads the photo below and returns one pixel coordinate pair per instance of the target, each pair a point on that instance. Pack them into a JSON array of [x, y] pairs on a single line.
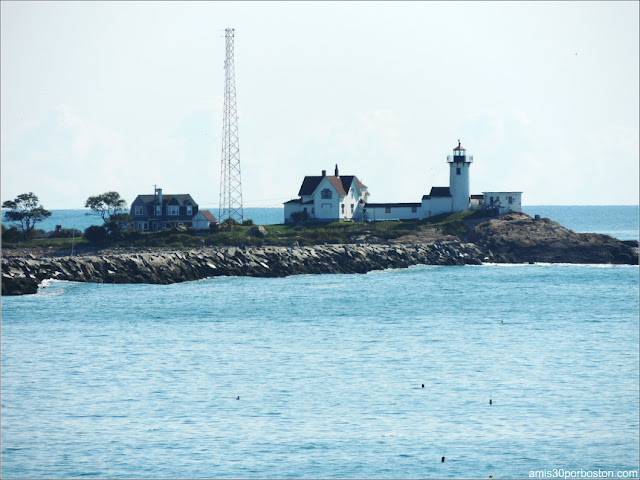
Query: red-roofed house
[[203, 219], [328, 198]]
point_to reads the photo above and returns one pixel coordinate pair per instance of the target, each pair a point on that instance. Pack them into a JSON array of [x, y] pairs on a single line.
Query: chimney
[[337, 170], [159, 193], [324, 173]]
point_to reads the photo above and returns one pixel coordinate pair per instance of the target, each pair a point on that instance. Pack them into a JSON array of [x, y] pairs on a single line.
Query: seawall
[[22, 275]]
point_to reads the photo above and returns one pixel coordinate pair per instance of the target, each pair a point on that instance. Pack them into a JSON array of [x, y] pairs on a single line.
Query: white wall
[[475, 204], [200, 222], [501, 200], [326, 208], [290, 208], [459, 185], [437, 205], [395, 213]]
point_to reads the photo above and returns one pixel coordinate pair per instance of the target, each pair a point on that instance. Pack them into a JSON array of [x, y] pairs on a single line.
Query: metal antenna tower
[[230, 183]]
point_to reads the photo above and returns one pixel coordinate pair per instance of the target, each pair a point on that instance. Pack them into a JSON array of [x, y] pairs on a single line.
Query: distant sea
[[618, 221], [321, 376]]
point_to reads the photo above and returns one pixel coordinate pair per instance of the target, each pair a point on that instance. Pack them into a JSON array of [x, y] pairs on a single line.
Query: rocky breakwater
[[23, 275], [519, 238]]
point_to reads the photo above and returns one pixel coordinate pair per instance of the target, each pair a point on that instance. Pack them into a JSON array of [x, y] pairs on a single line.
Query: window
[[326, 193], [313, 210], [138, 210], [342, 208], [457, 171], [305, 209], [352, 208], [189, 210], [414, 209], [158, 210], [173, 210], [387, 209], [510, 199]]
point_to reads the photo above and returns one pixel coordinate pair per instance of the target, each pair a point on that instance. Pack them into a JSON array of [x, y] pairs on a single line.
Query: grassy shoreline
[[306, 234]]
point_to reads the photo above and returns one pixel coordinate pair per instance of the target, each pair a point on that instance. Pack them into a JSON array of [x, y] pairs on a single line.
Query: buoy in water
[[490, 402], [423, 385], [442, 461], [238, 397]]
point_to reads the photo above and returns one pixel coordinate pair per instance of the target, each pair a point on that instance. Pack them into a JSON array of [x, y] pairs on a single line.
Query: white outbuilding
[[502, 202], [203, 219]]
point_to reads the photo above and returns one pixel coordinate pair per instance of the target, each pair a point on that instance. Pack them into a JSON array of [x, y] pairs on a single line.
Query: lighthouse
[[459, 164]]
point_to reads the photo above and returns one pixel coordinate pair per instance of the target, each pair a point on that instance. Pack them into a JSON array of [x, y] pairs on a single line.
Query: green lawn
[[310, 233]]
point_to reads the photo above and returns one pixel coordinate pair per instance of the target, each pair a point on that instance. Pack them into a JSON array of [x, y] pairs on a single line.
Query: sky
[[101, 96]]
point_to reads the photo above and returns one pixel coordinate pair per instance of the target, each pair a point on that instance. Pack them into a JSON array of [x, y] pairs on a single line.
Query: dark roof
[[477, 197], [295, 200], [440, 192], [181, 198], [208, 215], [309, 185], [393, 205], [348, 179], [341, 184]]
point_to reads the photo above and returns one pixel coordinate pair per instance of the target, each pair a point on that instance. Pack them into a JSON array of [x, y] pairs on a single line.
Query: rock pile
[[519, 238], [22, 275]]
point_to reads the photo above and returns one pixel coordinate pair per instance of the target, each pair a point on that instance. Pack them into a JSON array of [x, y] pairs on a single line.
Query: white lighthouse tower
[[459, 165]]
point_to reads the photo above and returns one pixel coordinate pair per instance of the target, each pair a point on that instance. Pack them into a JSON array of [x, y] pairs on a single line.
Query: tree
[[116, 224], [25, 211], [107, 205]]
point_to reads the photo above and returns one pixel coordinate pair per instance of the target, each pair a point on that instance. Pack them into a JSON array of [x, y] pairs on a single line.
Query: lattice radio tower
[[230, 182]]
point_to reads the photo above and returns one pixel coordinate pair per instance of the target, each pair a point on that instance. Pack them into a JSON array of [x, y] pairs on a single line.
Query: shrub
[[247, 223], [11, 234], [66, 233], [228, 224], [299, 217], [95, 234]]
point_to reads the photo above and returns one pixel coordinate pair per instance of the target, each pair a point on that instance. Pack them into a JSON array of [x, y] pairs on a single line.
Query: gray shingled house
[[158, 211]]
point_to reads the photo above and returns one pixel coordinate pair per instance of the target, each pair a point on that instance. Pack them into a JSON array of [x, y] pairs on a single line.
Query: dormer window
[[158, 210], [326, 193], [173, 209], [189, 210]]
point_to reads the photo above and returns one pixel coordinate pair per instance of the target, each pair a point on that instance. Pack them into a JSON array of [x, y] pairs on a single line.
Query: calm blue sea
[[142, 381]]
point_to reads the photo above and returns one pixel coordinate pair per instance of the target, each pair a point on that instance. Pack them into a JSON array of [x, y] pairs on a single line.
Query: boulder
[[257, 231]]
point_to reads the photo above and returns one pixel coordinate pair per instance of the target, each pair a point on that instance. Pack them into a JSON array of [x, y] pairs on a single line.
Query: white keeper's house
[[328, 198], [344, 198]]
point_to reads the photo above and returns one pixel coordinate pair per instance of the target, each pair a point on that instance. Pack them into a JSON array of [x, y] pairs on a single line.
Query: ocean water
[[618, 221], [142, 381]]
